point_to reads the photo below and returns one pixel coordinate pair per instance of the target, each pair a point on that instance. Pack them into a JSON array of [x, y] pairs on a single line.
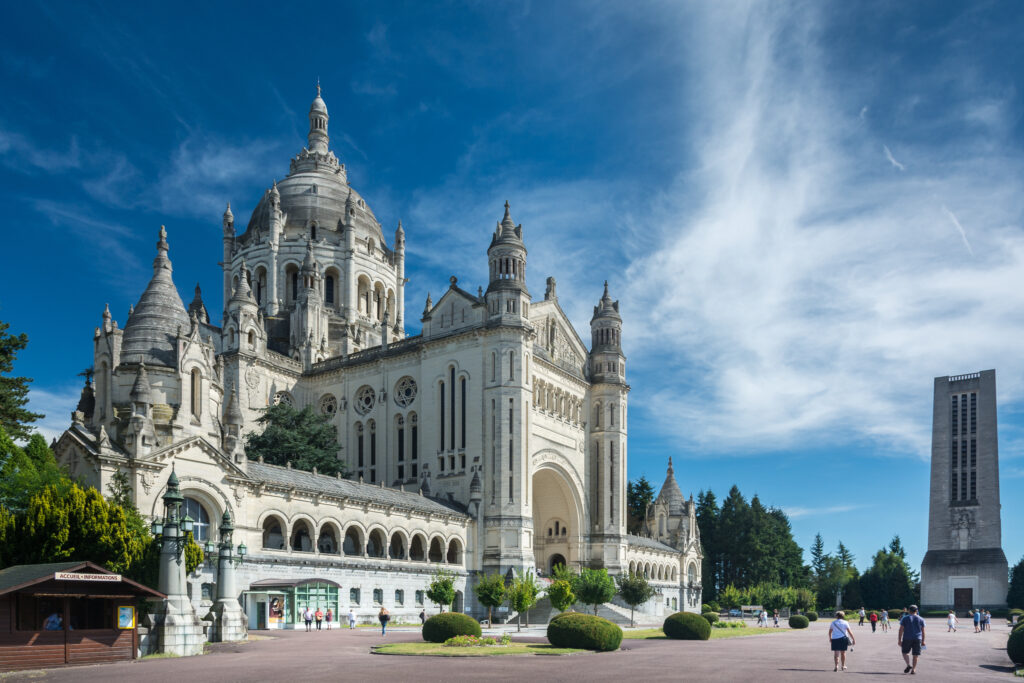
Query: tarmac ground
[[786, 655]]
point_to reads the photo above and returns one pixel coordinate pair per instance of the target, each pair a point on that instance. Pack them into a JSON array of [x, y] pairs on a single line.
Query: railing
[[961, 378]]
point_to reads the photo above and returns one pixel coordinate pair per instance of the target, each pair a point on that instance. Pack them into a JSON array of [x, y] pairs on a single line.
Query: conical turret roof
[[671, 494], [150, 332]]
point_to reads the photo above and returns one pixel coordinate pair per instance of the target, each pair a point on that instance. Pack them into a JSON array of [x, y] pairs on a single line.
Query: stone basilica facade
[[493, 440]]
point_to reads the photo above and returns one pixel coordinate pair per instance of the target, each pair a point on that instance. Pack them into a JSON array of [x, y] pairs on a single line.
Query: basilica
[[493, 440]]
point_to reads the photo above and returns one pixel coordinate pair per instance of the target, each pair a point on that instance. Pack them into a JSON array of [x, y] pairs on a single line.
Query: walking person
[[423, 617], [775, 615], [319, 618], [976, 615], [351, 618], [384, 617], [885, 621], [911, 639], [873, 618], [329, 617], [840, 638], [861, 615], [951, 622], [307, 616]]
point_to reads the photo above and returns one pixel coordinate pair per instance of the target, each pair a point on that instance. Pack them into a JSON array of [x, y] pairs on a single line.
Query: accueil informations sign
[[96, 578]]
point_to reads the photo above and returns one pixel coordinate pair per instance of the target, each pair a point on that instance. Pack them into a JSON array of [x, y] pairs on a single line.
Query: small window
[[252, 339], [378, 596], [419, 598], [353, 596], [399, 598]]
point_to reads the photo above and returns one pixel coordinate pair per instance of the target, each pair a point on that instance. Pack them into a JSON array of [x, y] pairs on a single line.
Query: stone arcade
[[493, 440]]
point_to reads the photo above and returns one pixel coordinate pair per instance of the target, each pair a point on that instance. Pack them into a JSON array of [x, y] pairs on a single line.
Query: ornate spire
[[161, 261], [140, 391], [318, 117], [243, 291], [232, 413], [229, 218]]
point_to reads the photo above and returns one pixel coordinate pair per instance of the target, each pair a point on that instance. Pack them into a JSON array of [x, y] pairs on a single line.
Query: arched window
[[414, 444], [511, 364], [691, 575], [196, 388], [329, 289], [462, 424], [295, 285], [372, 426], [494, 366], [359, 445], [194, 509], [252, 339]]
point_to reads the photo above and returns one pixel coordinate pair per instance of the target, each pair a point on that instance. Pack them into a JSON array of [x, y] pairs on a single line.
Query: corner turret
[[507, 296]]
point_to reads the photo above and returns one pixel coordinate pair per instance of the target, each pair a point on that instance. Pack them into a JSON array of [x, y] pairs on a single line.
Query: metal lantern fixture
[[227, 530], [171, 529]]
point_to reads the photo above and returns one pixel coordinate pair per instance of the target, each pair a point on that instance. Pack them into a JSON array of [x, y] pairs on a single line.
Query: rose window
[[364, 400], [328, 405], [405, 391]]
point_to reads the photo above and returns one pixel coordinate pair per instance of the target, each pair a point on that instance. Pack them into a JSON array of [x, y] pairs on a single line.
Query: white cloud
[[56, 405], [797, 512], [892, 159], [802, 299], [960, 228]]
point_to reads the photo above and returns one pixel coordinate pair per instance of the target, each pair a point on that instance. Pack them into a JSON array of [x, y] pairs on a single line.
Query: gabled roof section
[[215, 453], [457, 309], [539, 308], [644, 542], [23, 576]]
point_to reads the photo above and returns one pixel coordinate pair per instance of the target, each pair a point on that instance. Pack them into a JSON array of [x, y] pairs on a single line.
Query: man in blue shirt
[[911, 638]]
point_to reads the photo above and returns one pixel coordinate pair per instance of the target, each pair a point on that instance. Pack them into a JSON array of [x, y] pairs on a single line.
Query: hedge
[[686, 626], [811, 616], [895, 614], [706, 608], [585, 631], [712, 617], [1015, 646], [441, 627], [799, 621]]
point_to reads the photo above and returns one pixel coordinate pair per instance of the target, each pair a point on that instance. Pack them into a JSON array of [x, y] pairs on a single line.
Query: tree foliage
[[522, 595], [888, 582], [441, 591], [1015, 596], [490, 592], [303, 437], [635, 590], [14, 418], [560, 594], [194, 554], [639, 495], [593, 587]]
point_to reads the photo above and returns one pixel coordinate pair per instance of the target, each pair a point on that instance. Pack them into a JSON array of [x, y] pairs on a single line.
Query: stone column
[[228, 622], [177, 627]]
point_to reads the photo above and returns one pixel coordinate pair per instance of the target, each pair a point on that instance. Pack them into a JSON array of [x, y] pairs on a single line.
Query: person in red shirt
[[873, 618]]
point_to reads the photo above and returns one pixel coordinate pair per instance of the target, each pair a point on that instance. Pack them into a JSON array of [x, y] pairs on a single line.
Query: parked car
[[735, 612]]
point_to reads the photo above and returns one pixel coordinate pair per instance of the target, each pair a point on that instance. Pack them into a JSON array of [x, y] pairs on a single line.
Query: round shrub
[[686, 626], [441, 627], [706, 608], [811, 616], [712, 617], [1015, 646], [895, 614], [799, 621], [584, 631]]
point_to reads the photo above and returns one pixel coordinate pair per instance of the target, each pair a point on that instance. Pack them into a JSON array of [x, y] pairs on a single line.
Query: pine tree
[[844, 555], [14, 418], [707, 522], [1015, 596], [639, 495], [302, 437], [818, 555], [896, 547]]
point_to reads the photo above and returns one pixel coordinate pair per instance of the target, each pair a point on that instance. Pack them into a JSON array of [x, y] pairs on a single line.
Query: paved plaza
[[783, 656]]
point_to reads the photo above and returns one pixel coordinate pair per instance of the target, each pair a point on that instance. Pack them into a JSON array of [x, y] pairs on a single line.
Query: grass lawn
[[716, 633], [439, 650]]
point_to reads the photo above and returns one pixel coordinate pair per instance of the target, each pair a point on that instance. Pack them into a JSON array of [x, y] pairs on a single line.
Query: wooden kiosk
[[67, 613]]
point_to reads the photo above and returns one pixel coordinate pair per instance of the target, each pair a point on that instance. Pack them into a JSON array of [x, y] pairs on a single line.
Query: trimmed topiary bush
[[441, 627], [1015, 646], [585, 631], [686, 626], [799, 621], [895, 614], [712, 617], [811, 616]]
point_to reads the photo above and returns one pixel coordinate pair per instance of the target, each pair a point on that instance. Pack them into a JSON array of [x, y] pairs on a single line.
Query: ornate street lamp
[[167, 528]]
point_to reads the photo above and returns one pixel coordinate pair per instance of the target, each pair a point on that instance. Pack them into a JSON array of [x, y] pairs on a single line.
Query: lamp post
[[228, 619]]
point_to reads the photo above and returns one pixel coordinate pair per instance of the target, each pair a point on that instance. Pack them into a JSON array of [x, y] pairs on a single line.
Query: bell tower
[[507, 298]]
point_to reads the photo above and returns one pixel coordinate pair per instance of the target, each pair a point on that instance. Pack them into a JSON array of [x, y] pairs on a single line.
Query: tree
[[442, 589], [818, 555], [594, 587], [120, 489], [896, 547], [845, 556], [302, 437], [14, 418], [707, 522], [635, 590], [560, 594], [731, 597], [639, 495], [887, 582], [490, 592], [1015, 596], [25, 472], [193, 553], [522, 595]]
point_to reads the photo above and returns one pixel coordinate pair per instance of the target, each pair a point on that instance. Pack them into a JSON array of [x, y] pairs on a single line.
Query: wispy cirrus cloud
[[892, 159], [798, 512]]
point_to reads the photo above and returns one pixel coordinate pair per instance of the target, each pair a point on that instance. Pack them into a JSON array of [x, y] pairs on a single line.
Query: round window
[[284, 397], [328, 405], [364, 400], [405, 391]]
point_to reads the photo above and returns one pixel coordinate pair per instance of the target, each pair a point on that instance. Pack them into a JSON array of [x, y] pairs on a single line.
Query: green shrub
[[895, 614], [811, 616], [686, 626], [712, 617], [799, 621], [728, 624], [707, 608], [585, 631], [441, 627], [1015, 646]]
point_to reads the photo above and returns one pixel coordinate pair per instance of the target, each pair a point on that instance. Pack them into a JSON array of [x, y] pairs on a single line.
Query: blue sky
[[808, 210]]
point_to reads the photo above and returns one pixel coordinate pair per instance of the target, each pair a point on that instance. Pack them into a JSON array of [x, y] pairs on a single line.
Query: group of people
[[762, 618], [384, 616], [982, 620], [910, 639]]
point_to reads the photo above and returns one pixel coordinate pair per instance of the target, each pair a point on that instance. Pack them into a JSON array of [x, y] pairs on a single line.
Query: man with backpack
[[911, 638]]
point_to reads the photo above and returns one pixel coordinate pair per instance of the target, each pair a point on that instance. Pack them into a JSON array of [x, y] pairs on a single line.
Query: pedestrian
[[307, 616], [977, 620], [775, 614], [840, 637], [861, 615], [873, 618], [423, 617], [329, 617], [319, 618], [885, 621], [986, 621], [384, 617], [951, 622], [911, 639], [351, 618]]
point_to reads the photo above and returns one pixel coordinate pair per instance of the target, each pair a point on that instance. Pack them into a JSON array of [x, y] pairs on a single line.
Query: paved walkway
[[782, 656]]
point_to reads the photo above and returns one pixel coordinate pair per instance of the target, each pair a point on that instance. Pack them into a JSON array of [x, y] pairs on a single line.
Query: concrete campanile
[[965, 565], [318, 138]]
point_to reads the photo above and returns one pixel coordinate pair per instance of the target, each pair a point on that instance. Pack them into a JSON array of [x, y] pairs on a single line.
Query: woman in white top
[[839, 636], [951, 622]]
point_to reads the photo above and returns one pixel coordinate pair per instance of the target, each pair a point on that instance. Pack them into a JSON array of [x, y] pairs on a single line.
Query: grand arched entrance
[[557, 519]]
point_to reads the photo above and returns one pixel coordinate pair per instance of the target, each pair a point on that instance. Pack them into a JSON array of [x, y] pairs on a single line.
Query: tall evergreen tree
[[887, 583], [845, 556], [1015, 596], [896, 547], [14, 418], [733, 521], [707, 522], [303, 437], [639, 495], [818, 556]]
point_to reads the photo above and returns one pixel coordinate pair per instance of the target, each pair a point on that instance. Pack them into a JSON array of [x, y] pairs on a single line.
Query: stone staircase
[[542, 612]]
